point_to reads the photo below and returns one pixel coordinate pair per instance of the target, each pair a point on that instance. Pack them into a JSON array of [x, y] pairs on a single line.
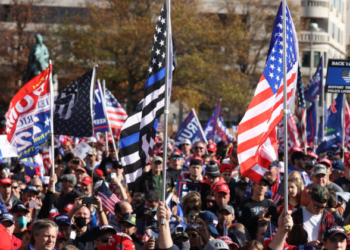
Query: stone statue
[[38, 59]]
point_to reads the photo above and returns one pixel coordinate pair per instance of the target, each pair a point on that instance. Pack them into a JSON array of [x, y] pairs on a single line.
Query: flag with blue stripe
[[100, 119], [314, 87], [311, 123], [139, 130]]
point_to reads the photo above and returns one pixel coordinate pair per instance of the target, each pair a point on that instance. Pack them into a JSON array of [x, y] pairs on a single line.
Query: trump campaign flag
[[311, 123], [28, 117], [314, 87], [190, 129], [320, 125], [100, 120], [334, 126], [216, 129], [257, 136]]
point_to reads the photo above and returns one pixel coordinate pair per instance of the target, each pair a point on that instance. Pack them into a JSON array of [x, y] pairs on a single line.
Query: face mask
[[80, 222], [184, 245], [154, 210], [22, 222]]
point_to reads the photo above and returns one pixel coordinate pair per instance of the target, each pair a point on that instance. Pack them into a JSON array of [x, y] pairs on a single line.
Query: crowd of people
[[209, 204]]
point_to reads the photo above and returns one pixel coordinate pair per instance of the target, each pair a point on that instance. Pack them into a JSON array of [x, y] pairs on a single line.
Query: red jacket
[[15, 242], [220, 182]]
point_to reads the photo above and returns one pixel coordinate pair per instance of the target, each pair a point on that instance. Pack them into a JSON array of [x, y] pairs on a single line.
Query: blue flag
[[217, 122], [334, 127], [29, 166], [311, 122], [190, 129], [314, 87], [100, 120]]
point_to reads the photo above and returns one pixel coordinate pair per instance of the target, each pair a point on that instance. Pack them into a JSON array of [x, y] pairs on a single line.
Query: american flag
[[108, 198], [115, 113], [293, 140], [257, 137], [300, 110], [139, 130], [47, 159]]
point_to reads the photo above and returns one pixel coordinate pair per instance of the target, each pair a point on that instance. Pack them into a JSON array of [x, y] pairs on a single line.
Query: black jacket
[[147, 183]]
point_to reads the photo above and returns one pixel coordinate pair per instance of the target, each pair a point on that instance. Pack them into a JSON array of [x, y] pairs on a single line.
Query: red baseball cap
[[60, 235], [53, 215], [325, 161], [211, 147], [295, 149], [68, 207], [347, 161], [116, 240], [26, 179], [99, 172], [86, 180], [5, 181], [311, 154], [222, 188], [226, 168]]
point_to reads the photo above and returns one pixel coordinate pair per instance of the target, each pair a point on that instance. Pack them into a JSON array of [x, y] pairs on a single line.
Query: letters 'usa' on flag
[[257, 137]]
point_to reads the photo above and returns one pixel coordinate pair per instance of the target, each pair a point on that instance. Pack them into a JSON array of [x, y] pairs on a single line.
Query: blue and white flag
[[217, 122], [314, 87], [311, 122], [190, 129], [100, 120], [334, 126]]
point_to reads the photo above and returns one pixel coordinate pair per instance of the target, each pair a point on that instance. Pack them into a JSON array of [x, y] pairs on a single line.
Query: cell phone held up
[[75, 162], [89, 200]]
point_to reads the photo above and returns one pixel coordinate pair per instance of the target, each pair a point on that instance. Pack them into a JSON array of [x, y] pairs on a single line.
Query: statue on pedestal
[[38, 59]]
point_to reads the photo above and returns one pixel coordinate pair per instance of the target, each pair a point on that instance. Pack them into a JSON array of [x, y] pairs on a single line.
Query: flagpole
[[52, 129], [166, 104], [316, 132], [109, 126], [323, 102], [285, 110], [106, 133], [343, 128], [216, 120], [200, 126]]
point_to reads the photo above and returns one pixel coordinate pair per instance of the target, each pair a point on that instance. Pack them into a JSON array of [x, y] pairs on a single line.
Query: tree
[[16, 40], [218, 53]]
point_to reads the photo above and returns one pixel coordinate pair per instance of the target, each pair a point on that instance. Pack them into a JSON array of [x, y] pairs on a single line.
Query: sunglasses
[[177, 158], [14, 187], [105, 239], [192, 215], [210, 201], [37, 186], [193, 235], [198, 148], [319, 207]]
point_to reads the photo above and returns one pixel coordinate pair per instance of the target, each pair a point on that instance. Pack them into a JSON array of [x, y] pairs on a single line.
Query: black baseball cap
[[333, 230]]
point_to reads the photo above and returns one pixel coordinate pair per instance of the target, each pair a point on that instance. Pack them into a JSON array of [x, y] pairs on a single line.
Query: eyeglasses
[[14, 187], [199, 148], [194, 235], [192, 215], [177, 158], [210, 201], [105, 239]]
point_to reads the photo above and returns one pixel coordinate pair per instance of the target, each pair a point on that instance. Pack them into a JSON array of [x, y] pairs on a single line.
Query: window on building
[[306, 59], [334, 3], [339, 7], [333, 30], [324, 59], [317, 56]]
